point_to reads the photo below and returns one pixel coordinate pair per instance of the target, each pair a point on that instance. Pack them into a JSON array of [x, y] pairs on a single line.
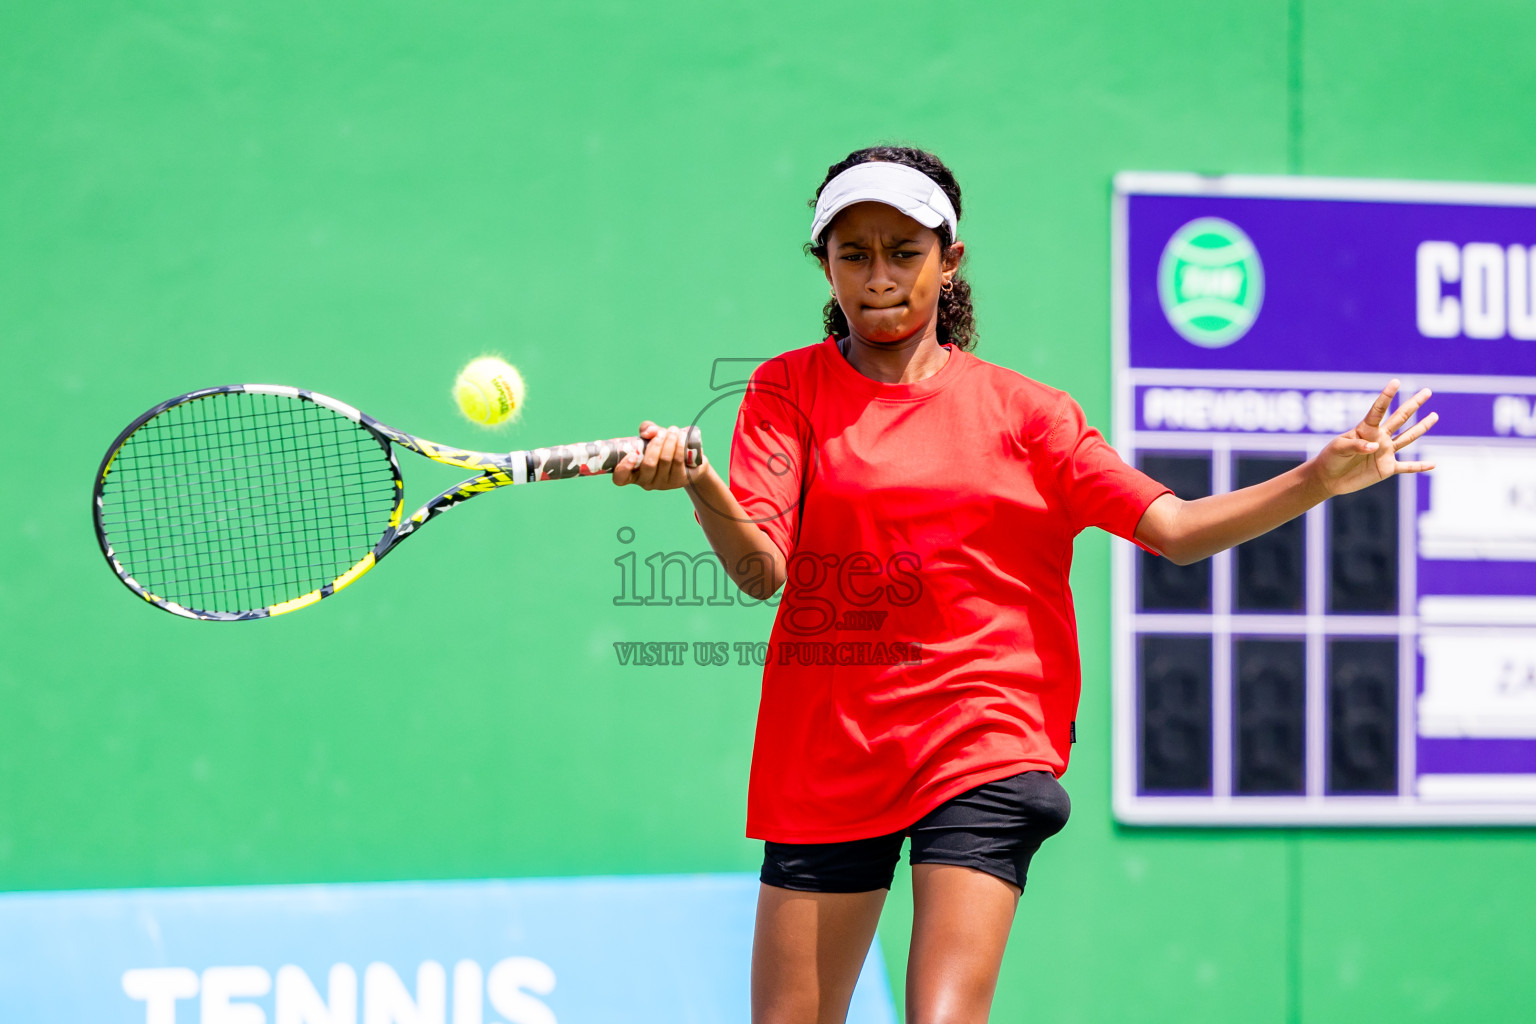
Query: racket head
[[245, 501]]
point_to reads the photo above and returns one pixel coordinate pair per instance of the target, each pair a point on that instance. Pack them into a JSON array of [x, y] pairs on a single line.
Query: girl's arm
[[1187, 531], [750, 558]]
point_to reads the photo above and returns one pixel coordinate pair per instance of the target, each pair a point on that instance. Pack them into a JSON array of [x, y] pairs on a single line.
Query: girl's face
[[887, 271]]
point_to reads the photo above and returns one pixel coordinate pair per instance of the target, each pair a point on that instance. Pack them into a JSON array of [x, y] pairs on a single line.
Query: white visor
[[896, 185]]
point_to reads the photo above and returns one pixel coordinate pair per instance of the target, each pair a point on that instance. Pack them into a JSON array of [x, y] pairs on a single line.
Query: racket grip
[[592, 458]]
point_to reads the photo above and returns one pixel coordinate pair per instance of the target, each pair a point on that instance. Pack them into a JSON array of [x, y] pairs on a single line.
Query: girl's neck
[[897, 362]]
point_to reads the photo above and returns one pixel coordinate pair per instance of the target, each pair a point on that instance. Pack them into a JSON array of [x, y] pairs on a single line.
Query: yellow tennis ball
[[489, 391]]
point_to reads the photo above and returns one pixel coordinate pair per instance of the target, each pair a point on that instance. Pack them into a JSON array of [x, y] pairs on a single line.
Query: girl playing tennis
[[918, 505]]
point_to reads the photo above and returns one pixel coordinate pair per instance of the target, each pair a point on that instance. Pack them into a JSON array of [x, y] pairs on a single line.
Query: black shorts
[[996, 828]]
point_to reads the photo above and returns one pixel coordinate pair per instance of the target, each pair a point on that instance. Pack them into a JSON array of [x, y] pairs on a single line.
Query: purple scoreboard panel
[[1373, 662]]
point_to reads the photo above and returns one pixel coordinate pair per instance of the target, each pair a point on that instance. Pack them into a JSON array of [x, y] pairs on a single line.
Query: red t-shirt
[[925, 642]]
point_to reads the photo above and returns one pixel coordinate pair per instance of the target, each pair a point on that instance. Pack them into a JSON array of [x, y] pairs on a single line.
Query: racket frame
[[494, 471]]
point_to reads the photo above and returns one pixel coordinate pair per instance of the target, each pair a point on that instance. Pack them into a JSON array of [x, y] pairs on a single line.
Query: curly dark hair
[[957, 320]]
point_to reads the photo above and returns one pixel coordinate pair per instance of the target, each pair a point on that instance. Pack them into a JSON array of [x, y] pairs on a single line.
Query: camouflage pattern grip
[[594, 457]]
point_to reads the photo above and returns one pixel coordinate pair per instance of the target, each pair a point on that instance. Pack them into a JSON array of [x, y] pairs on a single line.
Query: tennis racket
[[253, 500]]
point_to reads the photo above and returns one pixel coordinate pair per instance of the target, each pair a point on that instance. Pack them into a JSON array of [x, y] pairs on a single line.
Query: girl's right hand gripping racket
[[252, 500]]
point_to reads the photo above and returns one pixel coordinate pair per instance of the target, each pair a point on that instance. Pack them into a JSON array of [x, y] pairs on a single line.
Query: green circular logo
[[1210, 282]]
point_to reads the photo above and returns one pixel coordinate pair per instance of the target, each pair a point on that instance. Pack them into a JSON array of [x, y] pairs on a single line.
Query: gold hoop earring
[[949, 287]]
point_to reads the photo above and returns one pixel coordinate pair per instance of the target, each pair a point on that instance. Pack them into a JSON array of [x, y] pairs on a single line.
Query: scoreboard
[[1374, 661]]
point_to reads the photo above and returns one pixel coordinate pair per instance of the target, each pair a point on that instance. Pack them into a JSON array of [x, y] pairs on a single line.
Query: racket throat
[[391, 537]]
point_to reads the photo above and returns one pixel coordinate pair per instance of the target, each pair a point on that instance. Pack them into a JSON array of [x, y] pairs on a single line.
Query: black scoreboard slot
[[1270, 717], [1362, 550], [1362, 716], [1165, 586], [1270, 570], [1175, 698]]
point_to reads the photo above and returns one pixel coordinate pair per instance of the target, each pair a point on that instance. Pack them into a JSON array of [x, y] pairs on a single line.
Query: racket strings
[[240, 501]]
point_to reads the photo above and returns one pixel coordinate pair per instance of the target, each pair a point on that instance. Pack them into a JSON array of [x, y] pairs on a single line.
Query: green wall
[[358, 197]]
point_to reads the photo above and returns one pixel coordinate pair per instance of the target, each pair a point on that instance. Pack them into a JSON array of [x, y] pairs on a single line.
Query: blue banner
[[668, 950]]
